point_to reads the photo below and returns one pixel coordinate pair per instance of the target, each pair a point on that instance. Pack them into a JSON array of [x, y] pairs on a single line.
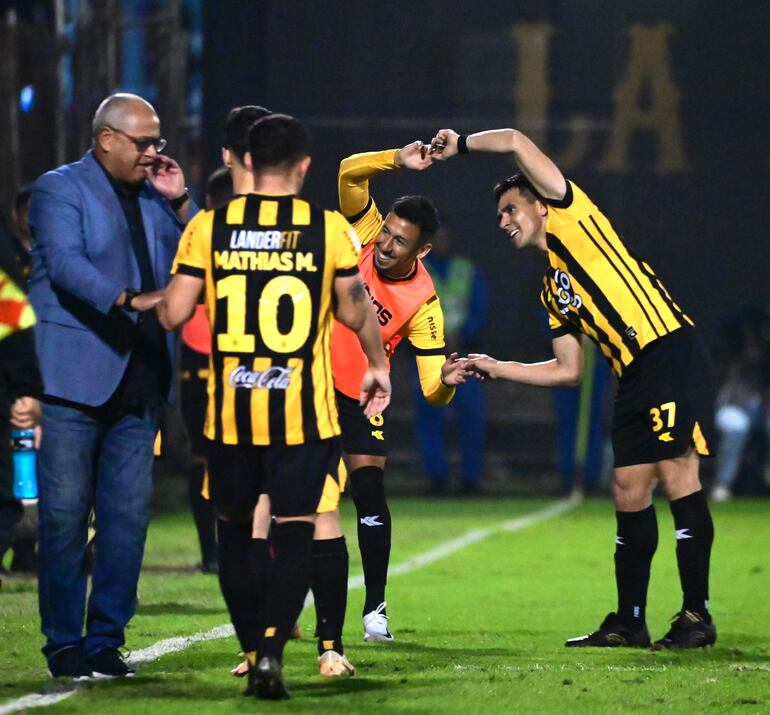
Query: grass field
[[479, 631]]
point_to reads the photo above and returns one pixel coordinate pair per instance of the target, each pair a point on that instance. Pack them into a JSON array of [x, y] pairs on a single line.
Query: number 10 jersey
[[269, 264]]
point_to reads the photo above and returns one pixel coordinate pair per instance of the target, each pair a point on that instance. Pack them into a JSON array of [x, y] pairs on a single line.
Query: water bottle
[[24, 464]]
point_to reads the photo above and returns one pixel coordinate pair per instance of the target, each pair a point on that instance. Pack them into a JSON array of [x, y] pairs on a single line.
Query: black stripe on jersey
[[329, 390], [429, 351], [432, 299], [633, 273], [564, 203], [663, 292], [361, 213], [345, 272], [630, 270], [219, 392], [599, 299], [194, 271], [563, 330]]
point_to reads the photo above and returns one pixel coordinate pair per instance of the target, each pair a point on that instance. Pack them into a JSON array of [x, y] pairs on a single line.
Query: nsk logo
[[383, 314], [274, 378]]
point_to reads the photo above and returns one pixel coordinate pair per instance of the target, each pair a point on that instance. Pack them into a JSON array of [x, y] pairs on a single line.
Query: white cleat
[[333, 665], [376, 625]]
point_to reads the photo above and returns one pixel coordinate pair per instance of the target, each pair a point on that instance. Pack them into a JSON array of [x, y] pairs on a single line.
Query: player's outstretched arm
[[565, 370], [179, 299], [536, 166], [355, 311]]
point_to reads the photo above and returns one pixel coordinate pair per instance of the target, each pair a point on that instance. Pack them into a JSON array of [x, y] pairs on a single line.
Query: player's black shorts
[[665, 402], [361, 435], [299, 479]]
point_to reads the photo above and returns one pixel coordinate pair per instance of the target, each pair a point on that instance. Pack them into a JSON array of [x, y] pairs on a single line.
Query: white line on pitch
[[56, 693]]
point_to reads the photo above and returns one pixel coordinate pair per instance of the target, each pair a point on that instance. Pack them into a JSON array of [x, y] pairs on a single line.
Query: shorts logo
[[377, 434], [274, 378], [665, 437], [565, 294]]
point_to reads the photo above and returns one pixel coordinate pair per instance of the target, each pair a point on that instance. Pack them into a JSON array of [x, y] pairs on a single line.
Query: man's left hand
[[454, 371], [166, 177]]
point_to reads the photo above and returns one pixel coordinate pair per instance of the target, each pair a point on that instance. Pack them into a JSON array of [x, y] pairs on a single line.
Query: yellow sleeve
[[425, 330], [192, 256], [356, 203], [341, 237], [575, 205]]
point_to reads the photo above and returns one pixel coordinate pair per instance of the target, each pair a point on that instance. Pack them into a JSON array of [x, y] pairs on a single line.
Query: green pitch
[[479, 631]]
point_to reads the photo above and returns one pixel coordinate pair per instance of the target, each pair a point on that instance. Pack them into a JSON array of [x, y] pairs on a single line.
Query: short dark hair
[[520, 182], [219, 187], [420, 211], [278, 141], [237, 125]]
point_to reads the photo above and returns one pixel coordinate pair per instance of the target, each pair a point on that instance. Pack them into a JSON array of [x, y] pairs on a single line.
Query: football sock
[[694, 536], [330, 591], [288, 583], [635, 545], [368, 490], [243, 567], [203, 513]]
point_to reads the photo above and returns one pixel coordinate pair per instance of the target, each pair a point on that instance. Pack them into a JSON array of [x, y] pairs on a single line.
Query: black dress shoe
[[110, 663], [69, 663]]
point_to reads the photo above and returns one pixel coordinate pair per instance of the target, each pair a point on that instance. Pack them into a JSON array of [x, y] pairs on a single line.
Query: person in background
[[24, 560], [194, 352], [105, 230], [465, 300], [743, 400], [21, 385]]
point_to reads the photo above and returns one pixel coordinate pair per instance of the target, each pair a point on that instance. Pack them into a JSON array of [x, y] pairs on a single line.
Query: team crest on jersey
[[565, 293], [274, 378]]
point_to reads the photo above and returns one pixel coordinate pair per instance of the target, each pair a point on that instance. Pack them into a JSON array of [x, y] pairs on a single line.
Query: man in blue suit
[[105, 231]]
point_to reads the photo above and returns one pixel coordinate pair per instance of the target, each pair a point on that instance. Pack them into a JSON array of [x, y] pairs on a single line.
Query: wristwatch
[[178, 202], [131, 293]]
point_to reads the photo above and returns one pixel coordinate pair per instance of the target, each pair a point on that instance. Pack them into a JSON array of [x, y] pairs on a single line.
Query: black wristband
[[462, 144], [131, 293], [179, 201]]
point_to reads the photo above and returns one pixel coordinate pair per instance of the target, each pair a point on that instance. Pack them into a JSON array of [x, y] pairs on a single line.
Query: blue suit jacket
[[82, 259]]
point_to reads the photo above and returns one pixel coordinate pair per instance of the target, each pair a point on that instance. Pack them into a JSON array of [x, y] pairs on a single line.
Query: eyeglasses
[[142, 145]]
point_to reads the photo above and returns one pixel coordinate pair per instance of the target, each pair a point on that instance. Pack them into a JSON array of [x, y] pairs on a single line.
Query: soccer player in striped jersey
[[595, 286], [276, 270]]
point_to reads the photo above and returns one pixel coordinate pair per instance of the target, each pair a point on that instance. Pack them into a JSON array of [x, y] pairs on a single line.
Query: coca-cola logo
[[274, 378]]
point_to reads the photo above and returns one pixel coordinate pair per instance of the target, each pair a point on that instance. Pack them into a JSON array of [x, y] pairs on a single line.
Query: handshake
[[456, 370]]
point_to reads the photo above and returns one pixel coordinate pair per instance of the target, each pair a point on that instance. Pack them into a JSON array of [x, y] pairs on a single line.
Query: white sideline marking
[[57, 693]]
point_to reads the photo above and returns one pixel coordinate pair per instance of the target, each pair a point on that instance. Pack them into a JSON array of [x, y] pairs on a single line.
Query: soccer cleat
[[376, 625], [266, 681], [242, 669], [332, 665], [612, 633], [69, 663], [688, 630], [109, 663]]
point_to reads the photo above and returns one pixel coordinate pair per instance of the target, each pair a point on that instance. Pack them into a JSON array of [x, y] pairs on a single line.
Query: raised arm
[[536, 166], [356, 170], [354, 310], [565, 370]]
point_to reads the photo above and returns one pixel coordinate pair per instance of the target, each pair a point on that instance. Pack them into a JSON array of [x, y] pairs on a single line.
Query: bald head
[[126, 134], [120, 109]]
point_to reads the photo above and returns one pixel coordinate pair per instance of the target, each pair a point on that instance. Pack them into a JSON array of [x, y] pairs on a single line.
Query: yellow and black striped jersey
[[595, 286], [269, 264]]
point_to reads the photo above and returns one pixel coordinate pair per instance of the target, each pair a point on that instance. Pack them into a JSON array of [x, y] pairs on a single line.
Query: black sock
[[368, 490], [635, 545], [694, 536], [203, 514], [330, 591], [288, 584], [243, 567]]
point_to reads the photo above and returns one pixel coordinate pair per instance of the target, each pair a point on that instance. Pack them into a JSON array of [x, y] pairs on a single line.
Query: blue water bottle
[[24, 464]]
